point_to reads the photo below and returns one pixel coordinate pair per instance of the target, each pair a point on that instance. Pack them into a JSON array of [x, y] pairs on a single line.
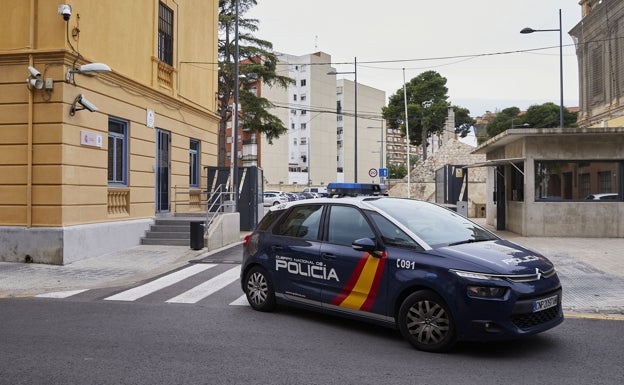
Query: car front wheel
[[426, 322], [259, 289]]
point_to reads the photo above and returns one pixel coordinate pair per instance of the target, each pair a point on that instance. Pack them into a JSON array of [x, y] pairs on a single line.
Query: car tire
[[426, 322], [259, 289]]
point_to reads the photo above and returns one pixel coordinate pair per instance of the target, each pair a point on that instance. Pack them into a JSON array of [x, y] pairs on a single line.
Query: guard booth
[[250, 193], [452, 188]]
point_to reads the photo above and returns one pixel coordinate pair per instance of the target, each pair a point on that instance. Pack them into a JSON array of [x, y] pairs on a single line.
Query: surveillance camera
[[65, 10], [34, 73], [34, 83], [87, 104]]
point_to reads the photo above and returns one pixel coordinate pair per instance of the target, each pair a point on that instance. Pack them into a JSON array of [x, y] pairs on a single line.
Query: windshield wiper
[[468, 241]]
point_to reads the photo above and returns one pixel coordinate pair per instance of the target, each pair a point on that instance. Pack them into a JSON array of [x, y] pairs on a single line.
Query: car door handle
[[328, 256], [277, 248]]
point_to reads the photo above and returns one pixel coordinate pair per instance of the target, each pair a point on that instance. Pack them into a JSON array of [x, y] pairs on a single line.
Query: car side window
[[391, 235], [346, 224], [301, 222]]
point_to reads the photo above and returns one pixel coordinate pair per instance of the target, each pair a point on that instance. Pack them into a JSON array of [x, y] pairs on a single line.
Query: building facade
[[600, 53], [319, 111], [115, 117]]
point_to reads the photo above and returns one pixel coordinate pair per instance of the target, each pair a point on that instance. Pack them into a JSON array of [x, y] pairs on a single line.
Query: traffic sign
[[383, 172], [372, 172]]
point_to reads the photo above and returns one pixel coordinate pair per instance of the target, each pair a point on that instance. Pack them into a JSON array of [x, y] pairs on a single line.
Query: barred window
[[165, 34]]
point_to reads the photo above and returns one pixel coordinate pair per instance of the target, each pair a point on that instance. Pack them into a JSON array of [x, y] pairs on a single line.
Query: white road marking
[[207, 288], [240, 301], [61, 294], [160, 283]]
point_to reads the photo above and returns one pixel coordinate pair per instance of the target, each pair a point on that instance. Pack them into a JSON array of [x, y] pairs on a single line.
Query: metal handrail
[[216, 196]]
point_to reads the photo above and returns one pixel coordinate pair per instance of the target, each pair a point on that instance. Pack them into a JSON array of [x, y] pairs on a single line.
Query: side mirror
[[367, 245]]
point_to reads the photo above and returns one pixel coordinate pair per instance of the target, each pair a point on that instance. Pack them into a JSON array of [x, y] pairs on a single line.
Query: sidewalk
[[591, 270]]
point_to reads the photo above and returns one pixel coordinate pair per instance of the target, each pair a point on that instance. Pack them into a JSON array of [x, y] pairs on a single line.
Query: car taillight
[[246, 240]]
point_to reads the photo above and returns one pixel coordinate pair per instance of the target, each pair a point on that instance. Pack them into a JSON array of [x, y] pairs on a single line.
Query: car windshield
[[433, 224]]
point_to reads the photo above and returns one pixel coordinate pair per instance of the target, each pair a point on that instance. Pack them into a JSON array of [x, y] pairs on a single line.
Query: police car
[[413, 265]]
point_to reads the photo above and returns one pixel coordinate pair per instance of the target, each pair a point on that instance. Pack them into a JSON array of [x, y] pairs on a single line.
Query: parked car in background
[[289, 196], [320, 191], [274, 198], [602, 197]]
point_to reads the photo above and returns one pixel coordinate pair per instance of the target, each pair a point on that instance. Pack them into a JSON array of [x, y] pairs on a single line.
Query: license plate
[[545, 303]]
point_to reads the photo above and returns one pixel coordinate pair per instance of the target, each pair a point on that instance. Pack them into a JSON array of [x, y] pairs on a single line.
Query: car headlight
[[486, 291], [473, 275]]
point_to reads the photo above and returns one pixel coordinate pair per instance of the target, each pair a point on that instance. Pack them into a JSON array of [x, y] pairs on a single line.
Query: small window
[[303, 82], [304, 126], [295, 97], [303, 97], [194, 163], [117, 152], [302, 222]]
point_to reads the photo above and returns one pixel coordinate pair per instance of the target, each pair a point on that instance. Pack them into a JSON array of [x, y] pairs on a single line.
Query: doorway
[[163, 140]]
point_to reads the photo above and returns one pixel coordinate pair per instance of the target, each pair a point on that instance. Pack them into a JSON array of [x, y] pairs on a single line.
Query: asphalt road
[[85, 339]]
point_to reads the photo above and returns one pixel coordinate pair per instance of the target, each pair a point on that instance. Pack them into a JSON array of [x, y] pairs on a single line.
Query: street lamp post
[[409, 195], [531, 30], [355, 126], [235, 112]]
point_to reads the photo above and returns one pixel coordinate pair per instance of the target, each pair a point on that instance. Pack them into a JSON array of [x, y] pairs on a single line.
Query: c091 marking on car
[[405, 264]]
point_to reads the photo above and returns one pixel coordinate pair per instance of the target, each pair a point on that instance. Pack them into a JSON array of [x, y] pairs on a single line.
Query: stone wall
[[422, 178]]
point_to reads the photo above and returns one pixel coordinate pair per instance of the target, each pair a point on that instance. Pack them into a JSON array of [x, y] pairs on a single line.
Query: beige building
[[89, 159], [319, 111], [599, 50]]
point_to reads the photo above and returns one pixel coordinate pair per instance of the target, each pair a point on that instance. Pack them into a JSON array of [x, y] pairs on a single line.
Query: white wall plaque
[[90, 139], [149, 118]]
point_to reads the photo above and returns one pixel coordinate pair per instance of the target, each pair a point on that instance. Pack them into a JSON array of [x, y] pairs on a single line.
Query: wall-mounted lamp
[[86, 105], [86, 69], [34, 79]]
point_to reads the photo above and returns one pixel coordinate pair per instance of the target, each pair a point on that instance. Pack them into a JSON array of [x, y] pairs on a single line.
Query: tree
[[257, 62], [396, 171], [536, 116], [427, 109], [503, 121], [547, 116]]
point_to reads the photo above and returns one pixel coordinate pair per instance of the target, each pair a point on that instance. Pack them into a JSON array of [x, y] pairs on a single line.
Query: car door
[[294, 255], [354, 283]]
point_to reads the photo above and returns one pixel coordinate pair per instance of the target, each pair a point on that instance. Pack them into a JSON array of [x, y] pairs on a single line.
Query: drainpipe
[[29, 146]]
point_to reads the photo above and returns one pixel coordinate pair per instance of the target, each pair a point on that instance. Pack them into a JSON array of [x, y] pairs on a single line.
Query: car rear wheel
[[259, 289], [425, 321]]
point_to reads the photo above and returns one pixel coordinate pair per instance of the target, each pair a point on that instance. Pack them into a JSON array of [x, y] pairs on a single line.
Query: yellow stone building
[[90, 156]]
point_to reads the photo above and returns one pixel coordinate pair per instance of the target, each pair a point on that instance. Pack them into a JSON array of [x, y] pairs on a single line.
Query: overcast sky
[[387, 36]]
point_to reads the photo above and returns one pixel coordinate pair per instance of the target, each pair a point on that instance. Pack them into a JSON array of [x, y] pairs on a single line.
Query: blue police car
[[413, 265]]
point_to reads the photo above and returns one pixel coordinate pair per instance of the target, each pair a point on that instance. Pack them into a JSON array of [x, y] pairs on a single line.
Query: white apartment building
[[319, 111]]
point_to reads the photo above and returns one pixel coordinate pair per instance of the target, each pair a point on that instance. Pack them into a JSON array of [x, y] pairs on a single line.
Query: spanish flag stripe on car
[[361, 289], [351, 282]]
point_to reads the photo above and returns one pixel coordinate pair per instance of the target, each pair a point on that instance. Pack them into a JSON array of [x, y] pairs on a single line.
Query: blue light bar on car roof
[[356, 189]]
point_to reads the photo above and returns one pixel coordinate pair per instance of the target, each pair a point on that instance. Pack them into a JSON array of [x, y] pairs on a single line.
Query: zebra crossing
[[206, 286]]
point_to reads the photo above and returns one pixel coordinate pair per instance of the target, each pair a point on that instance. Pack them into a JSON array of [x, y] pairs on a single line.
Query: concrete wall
[[63, 245]]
